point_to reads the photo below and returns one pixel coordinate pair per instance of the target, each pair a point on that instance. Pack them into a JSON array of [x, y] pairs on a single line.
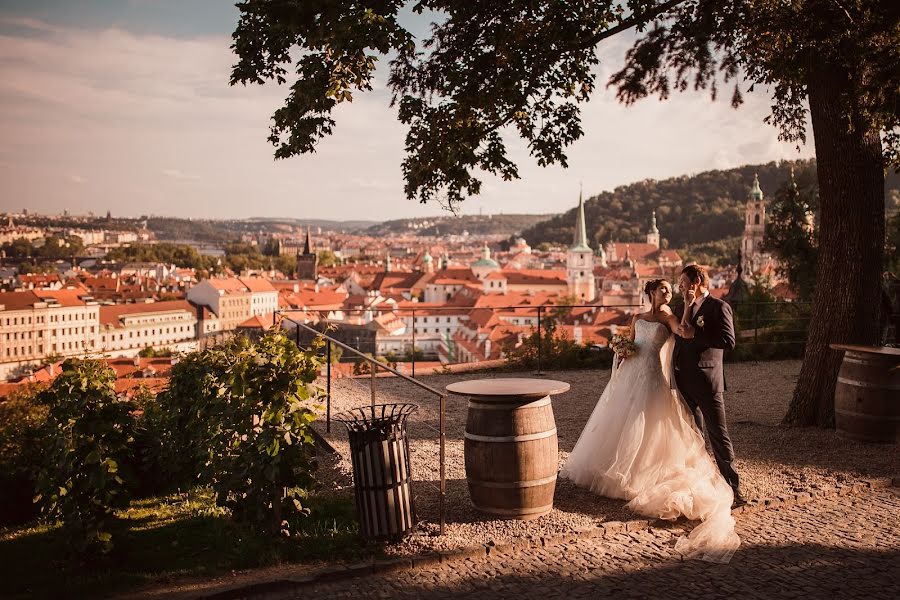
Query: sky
[[124, 105]]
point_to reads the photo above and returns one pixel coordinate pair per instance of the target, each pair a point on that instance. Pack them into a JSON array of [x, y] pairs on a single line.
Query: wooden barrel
[[511, 452], [867, 394]]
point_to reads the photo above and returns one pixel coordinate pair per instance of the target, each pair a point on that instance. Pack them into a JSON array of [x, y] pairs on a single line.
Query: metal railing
[[541, 312], [374, 365]]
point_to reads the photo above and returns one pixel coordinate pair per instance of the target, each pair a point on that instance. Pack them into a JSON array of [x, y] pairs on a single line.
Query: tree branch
[[628, 23]]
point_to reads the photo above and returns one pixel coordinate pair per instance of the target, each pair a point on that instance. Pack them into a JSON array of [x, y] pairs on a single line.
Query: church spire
[[580, 241], [756, 192], [653, 228], [307, 246]]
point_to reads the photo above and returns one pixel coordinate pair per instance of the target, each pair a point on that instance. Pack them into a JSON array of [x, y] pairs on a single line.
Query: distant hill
[[508, 225], [690, 210]]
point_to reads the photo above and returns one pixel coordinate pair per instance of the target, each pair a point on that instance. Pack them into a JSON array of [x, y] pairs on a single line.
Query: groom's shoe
[[738, 500]]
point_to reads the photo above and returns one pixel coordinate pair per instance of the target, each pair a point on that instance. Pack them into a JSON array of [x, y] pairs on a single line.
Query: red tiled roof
[[19, 300], [257, 284], [63, 297]]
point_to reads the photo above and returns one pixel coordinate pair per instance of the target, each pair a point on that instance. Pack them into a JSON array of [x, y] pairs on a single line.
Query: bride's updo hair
[[653, 285]]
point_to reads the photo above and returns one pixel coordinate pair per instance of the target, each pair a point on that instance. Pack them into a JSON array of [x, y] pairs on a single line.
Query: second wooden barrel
[[867, 394], [511, 452]]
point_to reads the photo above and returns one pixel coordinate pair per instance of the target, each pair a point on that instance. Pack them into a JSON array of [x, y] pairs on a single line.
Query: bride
[[642, 445]]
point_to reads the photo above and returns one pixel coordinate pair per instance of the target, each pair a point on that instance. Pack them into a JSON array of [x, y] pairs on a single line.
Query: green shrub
[[86, 437], [557, 352], [21, 419], [237, 417], [176, 425], [260, 460]]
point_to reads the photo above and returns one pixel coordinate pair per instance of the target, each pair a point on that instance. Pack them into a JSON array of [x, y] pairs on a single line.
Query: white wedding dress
[[641, 444]]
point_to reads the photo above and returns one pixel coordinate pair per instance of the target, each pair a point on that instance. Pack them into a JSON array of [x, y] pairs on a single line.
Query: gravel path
[[839, 547], [771, 459]]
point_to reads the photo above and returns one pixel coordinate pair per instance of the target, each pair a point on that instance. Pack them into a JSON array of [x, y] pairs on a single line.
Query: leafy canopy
[[528, 65]]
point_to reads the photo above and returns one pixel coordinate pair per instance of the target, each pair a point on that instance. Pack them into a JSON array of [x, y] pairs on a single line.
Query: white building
[[580, 261], [39, 323], [126, 329], [263, 295]]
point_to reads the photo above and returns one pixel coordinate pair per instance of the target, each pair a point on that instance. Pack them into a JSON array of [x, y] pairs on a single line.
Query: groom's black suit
[[700, 377]]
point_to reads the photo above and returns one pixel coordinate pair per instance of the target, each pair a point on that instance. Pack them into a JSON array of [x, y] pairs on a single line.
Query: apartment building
[[126, 329], [39, 323]]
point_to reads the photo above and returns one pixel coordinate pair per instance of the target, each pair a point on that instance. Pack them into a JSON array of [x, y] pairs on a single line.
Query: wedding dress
[[641, 444]]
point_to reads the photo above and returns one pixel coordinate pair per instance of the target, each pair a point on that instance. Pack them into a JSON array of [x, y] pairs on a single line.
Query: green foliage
[[363, 367], [151, 352], [260, 458], [170, 537], [892, 245], [21, 420], [528, 67], [792, 238], [706, 208], [178, 431], [557, 351], [180, 255], [54, 247], [240, 415], [327, 258], [86, 438], [721, 253], [501, 224]]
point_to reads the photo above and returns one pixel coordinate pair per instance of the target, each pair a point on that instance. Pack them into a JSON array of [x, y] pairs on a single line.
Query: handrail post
[[328, 384], [540, 344], [443, 493], [756, 330], [413, 351], [372, 368]]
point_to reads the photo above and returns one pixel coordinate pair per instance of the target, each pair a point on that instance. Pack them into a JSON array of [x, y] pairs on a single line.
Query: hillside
[[695, 209], [508, 225]]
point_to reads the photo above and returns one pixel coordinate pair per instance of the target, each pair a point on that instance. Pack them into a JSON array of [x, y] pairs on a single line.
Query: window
[[756, 220]]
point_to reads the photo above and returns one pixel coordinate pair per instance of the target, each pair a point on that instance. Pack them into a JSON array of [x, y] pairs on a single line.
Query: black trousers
[[708, 408]]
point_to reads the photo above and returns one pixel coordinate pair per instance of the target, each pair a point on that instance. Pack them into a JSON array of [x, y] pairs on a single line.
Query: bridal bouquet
[[622, 346]]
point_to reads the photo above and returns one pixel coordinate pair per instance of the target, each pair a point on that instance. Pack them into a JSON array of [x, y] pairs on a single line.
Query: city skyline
[[126, 107]]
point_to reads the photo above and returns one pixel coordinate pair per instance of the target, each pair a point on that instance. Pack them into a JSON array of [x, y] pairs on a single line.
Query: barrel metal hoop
[[860, 415], [503, 485], [511, 438], [867, 385], [513, 512], [860, 361], [508, 406]]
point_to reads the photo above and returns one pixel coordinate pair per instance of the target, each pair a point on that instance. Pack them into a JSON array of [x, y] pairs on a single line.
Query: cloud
[[120, 109], [76, 179], [176, 174]]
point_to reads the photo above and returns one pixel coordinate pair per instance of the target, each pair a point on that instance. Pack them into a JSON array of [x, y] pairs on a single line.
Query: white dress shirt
[[697, 302]]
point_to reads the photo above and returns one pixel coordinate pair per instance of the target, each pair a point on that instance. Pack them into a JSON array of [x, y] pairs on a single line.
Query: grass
[[168, 537]]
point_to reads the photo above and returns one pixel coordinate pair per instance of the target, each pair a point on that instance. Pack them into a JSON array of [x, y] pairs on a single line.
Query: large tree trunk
[[846, 301]]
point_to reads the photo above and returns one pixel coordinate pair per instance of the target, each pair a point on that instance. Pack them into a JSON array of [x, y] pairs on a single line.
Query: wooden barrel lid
[[883, 350], [508, 387]]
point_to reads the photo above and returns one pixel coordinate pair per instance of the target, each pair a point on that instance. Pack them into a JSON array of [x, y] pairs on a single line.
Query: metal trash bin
[[382, 478]]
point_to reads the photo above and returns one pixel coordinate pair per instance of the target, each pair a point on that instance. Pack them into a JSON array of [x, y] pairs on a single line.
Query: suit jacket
[[702, 355]]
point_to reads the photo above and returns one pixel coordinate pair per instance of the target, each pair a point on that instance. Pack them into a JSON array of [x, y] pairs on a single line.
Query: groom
[[708, 331]]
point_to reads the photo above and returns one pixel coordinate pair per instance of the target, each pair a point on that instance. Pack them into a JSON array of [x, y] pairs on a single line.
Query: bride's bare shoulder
[[665, 309]]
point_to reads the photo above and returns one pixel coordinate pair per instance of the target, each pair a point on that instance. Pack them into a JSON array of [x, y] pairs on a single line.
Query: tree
[[527, 66], [791, 237]]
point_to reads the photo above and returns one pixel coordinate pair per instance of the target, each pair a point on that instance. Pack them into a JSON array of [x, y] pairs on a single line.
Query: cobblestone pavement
[[839, 547]]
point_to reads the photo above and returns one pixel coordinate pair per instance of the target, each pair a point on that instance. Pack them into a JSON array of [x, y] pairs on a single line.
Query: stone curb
[[609, 529]]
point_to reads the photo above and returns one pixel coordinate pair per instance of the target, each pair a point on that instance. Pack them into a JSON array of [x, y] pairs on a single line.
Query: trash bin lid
[[376, 414]]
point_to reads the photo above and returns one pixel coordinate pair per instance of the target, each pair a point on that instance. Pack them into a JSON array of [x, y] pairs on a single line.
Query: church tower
[[653, 234], [580, 261], [754, 230], [308, 262]]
